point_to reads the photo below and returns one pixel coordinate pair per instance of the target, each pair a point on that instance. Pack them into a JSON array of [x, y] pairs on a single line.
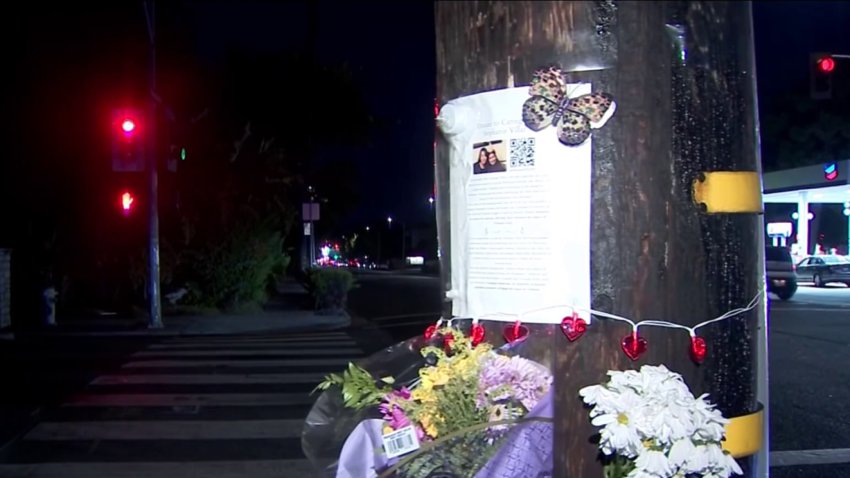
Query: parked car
[[824, 269], [779, 268]]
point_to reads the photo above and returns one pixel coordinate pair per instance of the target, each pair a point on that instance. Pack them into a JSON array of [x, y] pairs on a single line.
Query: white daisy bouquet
[[652, 426]]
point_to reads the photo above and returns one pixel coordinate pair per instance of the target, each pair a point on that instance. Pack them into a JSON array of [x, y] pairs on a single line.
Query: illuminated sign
[[782, 229], [830, 171]]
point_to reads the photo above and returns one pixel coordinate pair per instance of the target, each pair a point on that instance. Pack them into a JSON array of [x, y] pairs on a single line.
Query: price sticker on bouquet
[[401, 441]]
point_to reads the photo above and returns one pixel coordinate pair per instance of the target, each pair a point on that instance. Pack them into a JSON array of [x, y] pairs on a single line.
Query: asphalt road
[[809, 351], [399, 304]]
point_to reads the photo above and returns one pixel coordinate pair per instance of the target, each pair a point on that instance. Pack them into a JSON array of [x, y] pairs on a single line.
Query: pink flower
[[394, 414]]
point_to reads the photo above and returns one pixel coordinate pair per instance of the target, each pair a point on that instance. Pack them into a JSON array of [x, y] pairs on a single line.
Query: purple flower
[[511, 378]]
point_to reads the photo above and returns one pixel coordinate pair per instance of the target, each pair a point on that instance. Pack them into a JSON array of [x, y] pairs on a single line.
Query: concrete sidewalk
[[283, 313]]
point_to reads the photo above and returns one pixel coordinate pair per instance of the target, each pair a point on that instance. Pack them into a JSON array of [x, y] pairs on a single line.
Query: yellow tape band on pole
[[729, 191], [745, 434]]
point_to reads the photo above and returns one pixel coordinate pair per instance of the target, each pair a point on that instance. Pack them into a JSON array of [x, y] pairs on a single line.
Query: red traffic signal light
[[128, 125], [821, 68], [127, 201], [826, 64], [127, 132]]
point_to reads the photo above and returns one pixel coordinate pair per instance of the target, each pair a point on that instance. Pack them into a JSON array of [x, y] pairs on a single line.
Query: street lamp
[[389, 221], [431, 202]]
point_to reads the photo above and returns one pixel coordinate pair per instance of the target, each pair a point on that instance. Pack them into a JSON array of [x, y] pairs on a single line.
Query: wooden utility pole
[[682, 75]]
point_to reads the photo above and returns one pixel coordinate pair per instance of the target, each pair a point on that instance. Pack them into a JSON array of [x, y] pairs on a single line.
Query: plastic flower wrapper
[[330, 421], [653, 426], [474, 411]]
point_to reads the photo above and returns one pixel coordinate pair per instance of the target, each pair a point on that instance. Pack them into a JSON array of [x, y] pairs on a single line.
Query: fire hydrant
[[49, 295]]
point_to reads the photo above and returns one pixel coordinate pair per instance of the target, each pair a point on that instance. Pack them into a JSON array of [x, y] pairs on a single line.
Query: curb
[[193, 329]]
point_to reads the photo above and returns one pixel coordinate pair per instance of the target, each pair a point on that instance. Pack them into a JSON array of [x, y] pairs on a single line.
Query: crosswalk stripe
[[189, 399], [205, 469], [167, 430], [256, 345], [258, 352], [212, 378], [260, 338], [217, 407], [187, 363]]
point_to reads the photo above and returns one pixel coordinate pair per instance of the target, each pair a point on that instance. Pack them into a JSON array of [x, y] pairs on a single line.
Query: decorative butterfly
[[550, 104]]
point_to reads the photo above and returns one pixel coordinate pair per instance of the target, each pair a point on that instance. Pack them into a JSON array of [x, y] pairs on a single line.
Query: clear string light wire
[[635, 324]]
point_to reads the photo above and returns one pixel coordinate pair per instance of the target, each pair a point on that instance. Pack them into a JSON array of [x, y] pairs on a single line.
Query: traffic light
[[176, 155], [128, 145], [127, 201], [821, 68]]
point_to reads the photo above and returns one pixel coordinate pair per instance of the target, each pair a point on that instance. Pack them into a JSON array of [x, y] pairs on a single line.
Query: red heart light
[[515, 333], [573, 327], [448, 340], [429, 331], [698, 349], [634, 345], [476, 334]]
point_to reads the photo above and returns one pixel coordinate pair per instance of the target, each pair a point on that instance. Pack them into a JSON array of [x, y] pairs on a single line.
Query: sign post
[[310, 214]]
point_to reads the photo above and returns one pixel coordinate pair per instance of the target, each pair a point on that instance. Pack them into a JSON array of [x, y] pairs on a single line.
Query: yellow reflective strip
[[729, 191], [744, 435]]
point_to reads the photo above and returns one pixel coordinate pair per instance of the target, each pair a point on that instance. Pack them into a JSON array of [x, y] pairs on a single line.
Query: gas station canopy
[[820, 184], [823, 183]]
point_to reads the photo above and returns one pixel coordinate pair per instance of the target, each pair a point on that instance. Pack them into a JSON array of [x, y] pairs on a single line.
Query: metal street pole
[[312, 242], [155, 309]]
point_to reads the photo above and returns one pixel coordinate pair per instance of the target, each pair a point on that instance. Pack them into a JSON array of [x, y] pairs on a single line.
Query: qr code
[[522, 153]]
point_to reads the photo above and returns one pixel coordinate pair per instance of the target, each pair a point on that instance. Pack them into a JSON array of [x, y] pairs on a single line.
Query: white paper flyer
[[520, 211]]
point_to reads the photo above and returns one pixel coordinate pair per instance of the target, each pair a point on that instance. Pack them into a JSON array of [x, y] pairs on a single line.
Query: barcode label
[[401, 441]]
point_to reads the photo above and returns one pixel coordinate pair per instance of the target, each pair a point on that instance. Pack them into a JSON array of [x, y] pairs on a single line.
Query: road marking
[[812, 309], [167, 430], [165, 363], [435, 315], [253, 345], [206, 469], [208, 379], [190, 399], [260, 338], [241, 353], [809, 457]]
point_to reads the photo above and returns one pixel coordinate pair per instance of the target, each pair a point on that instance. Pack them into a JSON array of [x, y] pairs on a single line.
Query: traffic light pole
[[155, 318]]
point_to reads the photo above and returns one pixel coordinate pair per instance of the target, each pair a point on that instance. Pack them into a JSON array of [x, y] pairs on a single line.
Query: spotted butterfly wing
[[538, 112], [583, 113], [548, 90], [549, 83], [573, 128], [598, 107]]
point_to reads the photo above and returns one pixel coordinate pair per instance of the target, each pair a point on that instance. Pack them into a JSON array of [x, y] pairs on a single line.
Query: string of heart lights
[[573, 326]]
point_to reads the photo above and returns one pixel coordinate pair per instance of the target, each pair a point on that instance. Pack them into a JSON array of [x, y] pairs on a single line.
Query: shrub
[[238, 270], [330, 288]]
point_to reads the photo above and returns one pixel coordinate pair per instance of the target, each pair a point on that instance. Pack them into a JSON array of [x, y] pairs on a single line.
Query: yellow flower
[[440, 377], [424, 395], [428, 425]]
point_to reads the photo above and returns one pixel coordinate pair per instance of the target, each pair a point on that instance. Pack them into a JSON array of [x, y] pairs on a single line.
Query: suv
[[781, 274]]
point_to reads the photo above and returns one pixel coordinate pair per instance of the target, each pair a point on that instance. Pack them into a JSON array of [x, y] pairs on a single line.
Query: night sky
[[58, 57]]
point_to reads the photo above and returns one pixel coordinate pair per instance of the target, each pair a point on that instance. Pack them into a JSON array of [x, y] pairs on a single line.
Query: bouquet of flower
[[460, 407], [653, 427]]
